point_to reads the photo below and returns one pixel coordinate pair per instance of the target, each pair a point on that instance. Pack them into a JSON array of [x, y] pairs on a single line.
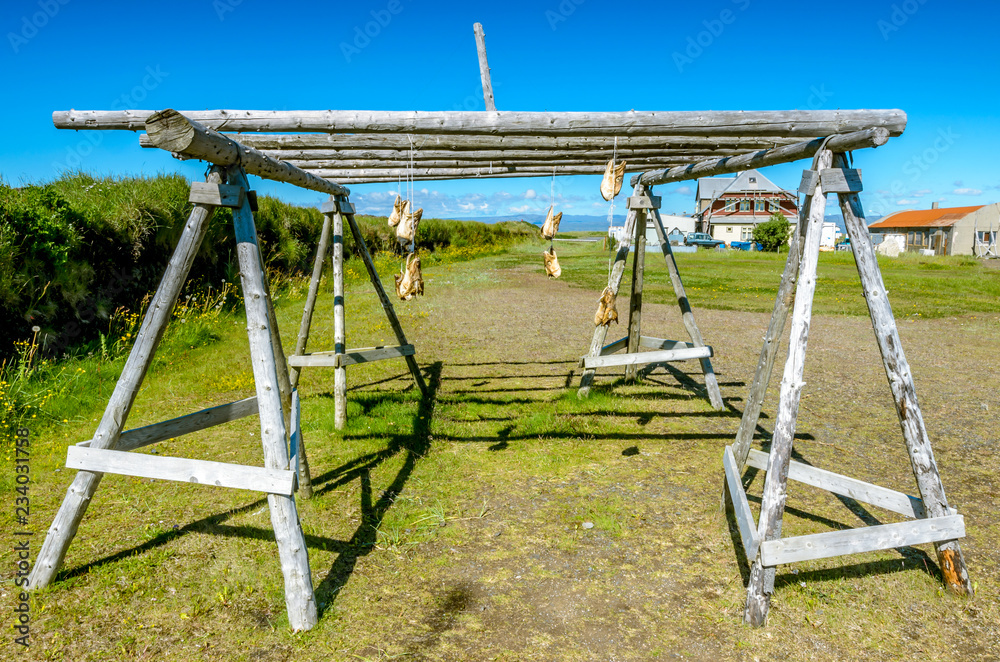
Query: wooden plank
[[741, 507], [220, 195], [295, 436], [154, 323], [687, 315], [650, 342], [901, 384], [614, 282], [865, 539], [772, 337], [642, 201], [300, 601], [808, 182], [635, 301], [339, 320], [203, 472], [500, 153], [484, 67], [350, 357], [176, 427], [873, 137], [801, 123], [761, 582], [175, 133], [859, 490], [383, 298], [616, 346], [596, 147], [643, 358], [841, 180]]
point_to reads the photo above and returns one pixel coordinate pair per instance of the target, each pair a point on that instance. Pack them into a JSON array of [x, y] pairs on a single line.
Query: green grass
[[450, 527]]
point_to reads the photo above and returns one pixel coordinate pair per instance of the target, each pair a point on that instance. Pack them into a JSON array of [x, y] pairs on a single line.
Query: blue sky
[[935, 60]]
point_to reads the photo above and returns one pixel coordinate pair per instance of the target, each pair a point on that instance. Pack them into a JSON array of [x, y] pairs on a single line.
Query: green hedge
[[74, 250]]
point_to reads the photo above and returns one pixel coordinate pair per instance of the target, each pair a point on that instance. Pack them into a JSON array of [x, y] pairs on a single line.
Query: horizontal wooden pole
[[858, 490], [659, 343], [872, 137], [865, 539], [350, 357], [182, 425], [802, 123], [429, 166], [457, 173], [615, 346], [642, 358], [203, 472], [741, 507], [305, 142], [496, 155], [176, 133]]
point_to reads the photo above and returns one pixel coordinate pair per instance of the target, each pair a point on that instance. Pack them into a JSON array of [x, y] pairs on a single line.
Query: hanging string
[[611, 209], [552, 201]]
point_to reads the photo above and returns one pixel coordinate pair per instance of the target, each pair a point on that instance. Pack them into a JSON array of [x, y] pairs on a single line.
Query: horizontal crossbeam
[[642, 358], [176, 427], [203, 472], [350, 357], [864, 539]]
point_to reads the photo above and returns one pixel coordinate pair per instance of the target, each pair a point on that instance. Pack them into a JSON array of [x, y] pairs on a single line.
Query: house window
[[759, 205], [729, 230], [747, 233], [753, 180], [744, 205]]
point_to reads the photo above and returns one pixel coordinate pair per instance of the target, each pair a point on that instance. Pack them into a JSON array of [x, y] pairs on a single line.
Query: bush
[[772, 234]]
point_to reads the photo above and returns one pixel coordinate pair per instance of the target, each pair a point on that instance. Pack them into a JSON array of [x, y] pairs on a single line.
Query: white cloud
[[520, 210], [530, 194], [903, 203], [958, 183], [921, 193], [685, 190], [967, 191]]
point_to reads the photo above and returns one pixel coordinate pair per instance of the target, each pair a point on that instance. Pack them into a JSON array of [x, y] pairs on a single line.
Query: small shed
[[943, 230]]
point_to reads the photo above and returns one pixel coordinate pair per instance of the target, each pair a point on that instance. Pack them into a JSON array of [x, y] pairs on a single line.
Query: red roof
[[922, 218]]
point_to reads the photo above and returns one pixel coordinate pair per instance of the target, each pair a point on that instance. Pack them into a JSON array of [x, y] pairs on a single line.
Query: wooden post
[[74, 506], [761, 583], [687, 317], [299, 599], [307, 311], [635, 302], [339, 327], [772, 340], [614, 282], [484, 67], [366, 257], [897, 369]]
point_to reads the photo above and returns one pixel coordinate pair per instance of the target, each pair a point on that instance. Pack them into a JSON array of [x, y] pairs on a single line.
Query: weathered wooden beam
[[761, 582], [351, 357], [172, 131], [801, 123], [453, 143], [643, 358], [339, 317], [422, 173], [659, 343], [865, 539], [300, 601], [484, 67], [741, 507], [904, 392], [154, 323], [391, 156], [429, 165], [182, 425], [687, 315], [635, 300], [859, 139], [184, 470], [897, 502]]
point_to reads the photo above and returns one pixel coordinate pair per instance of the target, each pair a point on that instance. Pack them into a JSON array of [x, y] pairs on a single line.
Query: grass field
[[451, 527]]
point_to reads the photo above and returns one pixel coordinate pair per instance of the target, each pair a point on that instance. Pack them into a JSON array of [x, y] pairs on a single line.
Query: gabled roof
[[922, 218], [711, 187]]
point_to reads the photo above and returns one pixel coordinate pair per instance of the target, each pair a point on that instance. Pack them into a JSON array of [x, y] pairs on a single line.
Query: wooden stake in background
[[484, 67]]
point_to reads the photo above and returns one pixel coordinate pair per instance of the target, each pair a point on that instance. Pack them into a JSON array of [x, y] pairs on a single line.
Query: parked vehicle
[[702, 239], [745, 246]]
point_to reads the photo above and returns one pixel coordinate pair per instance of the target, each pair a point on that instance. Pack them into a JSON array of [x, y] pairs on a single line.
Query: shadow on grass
[[416, 446]]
